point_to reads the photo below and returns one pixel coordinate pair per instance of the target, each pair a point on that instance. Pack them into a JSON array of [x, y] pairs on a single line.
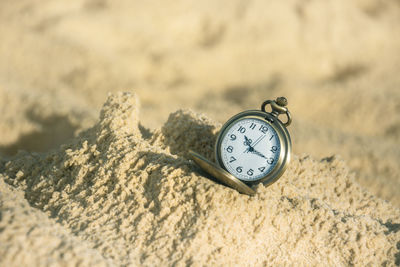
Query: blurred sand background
[[337, 62]]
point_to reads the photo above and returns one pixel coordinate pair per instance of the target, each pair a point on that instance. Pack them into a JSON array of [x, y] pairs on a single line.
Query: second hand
[[258, 140], [255, 143]]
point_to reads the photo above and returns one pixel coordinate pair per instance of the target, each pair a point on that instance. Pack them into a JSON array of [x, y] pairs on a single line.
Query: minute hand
[[258, 153]]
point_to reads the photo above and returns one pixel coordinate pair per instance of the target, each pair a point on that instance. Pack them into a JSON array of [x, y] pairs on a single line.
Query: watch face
[[250, 149]]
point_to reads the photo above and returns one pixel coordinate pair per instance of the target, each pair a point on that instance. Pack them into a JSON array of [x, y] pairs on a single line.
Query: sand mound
[[30, 238], [120, 194]]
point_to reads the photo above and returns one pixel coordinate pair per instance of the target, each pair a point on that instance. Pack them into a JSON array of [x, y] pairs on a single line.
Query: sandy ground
[[106, 189]]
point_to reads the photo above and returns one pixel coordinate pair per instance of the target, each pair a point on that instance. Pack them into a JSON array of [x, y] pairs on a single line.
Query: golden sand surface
[[127, 197], [119, 189]]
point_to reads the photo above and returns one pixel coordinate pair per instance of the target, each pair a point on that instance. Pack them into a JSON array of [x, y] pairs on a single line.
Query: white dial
[[250, 149]]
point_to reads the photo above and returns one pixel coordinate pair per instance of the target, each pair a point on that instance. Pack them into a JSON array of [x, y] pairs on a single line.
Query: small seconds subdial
[[250, 149]]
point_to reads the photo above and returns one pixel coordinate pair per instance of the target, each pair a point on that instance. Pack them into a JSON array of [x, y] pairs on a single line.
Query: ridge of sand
[[129, 196]]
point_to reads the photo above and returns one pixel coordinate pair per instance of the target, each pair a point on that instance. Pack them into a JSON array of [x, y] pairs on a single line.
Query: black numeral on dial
[[274, 149], [239, 169], [229, 149], [233, 137], [263, 129], [242, 129], [270, 161], [232, 159], [250, 172], [252, 126], [261, 169]]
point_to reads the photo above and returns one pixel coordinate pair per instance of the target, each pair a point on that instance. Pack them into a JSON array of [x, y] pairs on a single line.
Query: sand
[[117, 188], [130, 197]]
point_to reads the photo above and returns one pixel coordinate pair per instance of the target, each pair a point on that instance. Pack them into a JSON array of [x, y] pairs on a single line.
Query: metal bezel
[[284, 139]]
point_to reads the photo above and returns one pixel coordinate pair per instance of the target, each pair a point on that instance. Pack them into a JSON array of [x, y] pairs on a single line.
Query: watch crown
[[282, 101], [278, 107]]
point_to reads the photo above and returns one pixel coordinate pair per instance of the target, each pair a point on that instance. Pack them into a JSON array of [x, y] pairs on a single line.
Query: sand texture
[[79, 188], [129, 197]]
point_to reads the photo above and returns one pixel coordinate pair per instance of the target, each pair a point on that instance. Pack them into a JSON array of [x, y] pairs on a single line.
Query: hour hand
[[247, 142]]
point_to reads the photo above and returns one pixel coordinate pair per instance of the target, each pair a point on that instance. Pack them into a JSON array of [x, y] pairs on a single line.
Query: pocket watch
[[252, 147]]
